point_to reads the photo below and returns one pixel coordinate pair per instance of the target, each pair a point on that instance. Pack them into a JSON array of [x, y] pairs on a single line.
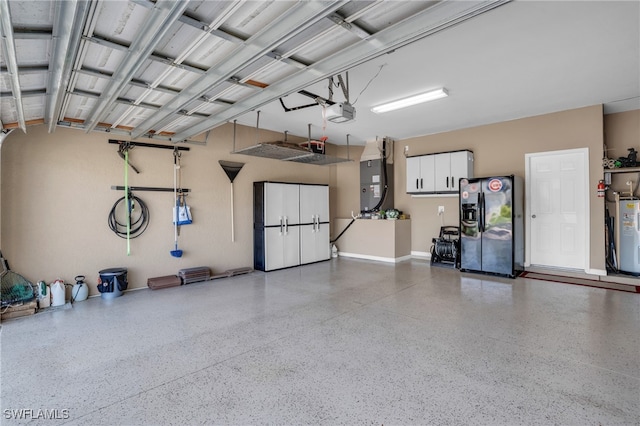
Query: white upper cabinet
[[438, 173], [420, 174]]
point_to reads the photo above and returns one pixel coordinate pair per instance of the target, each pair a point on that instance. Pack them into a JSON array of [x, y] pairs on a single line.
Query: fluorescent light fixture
[[411, 100]]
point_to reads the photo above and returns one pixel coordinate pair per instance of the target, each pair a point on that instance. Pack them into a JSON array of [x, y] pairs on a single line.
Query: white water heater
[[629, 244]]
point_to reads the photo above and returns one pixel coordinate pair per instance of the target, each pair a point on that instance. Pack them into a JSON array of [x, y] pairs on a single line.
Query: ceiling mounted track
[[68, 21], [9, 48], [174, 69]]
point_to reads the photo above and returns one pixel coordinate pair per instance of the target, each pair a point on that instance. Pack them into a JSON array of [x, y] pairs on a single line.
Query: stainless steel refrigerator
[[629, 244], [491, 225]]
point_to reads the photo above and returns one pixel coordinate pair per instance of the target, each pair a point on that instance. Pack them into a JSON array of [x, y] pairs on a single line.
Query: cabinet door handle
[[286, 225], [421, 184], [447, 181], [453, 185], [281, 224], [417, 186]]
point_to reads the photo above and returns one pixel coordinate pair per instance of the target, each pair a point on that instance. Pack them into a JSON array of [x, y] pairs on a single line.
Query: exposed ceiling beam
[[122, 47], [349, 26], [300, 17], [68, 21], [28, 69], [129, 102], [9, 45], [146, 85], [429, 21], [32, 33], [26, 93], [237, 39], [162, 17]]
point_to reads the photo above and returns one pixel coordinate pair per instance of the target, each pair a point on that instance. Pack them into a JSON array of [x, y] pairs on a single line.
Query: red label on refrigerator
[[495, 185]]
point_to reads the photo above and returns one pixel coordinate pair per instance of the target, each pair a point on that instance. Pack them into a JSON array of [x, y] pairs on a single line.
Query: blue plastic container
[[113, 282]]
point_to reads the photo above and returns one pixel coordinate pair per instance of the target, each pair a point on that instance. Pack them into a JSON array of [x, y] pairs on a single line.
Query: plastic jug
[[57, 293]]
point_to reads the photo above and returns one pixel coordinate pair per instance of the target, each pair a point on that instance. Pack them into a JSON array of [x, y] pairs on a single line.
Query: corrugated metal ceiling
[[173, 69]]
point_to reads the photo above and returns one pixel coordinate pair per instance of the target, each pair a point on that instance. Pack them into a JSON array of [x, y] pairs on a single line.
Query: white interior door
[[558, 209]]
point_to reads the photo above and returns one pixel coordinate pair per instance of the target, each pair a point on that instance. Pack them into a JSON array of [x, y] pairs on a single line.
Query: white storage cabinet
[[291, 224], [314, 223], [438, 173]]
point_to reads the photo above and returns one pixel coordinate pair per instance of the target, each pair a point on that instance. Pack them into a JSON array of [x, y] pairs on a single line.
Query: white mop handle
[[233, 237]]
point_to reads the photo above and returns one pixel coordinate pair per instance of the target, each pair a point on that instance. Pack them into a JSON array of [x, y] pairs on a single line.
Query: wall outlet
[[440, 210]]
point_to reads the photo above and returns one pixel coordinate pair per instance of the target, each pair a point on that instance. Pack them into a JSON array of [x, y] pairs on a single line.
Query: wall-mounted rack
[[150, 145], [150, 188], [623, 170]]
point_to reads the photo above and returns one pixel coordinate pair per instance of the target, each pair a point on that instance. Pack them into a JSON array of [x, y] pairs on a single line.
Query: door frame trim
[[586, 206]]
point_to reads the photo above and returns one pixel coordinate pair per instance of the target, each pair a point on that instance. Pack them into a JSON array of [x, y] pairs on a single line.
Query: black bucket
[[113, 282]]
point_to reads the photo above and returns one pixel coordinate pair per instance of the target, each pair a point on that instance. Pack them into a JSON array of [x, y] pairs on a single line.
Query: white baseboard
[[421, 254], [599, 272], [376, 258]]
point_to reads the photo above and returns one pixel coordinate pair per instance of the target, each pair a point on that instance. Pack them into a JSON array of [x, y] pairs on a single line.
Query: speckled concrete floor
[[339, 342]]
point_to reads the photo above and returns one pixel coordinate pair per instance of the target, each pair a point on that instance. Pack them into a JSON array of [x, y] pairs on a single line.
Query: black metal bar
[[151, 145], [150, 188]]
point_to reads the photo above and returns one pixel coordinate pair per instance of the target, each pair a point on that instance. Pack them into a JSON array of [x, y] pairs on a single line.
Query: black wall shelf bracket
[[150, 145], [151, 188]]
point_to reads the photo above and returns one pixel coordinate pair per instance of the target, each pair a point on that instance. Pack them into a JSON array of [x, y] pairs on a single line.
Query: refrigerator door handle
[[481, 212]]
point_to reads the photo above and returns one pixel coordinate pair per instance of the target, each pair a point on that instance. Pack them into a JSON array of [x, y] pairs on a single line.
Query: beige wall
[[55, 191], [499, 149], [56, 197]]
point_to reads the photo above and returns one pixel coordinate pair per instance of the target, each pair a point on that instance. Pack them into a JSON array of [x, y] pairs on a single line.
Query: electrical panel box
[[372, 182]]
